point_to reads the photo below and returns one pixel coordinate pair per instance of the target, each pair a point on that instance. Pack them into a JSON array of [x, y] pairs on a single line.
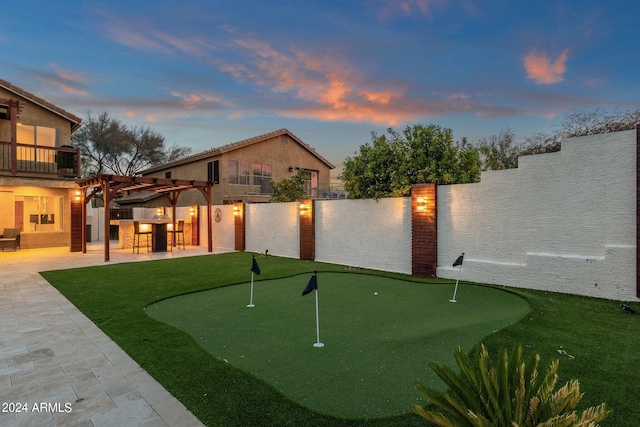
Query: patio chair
[[136, 235], [179, 234], [10, 239]]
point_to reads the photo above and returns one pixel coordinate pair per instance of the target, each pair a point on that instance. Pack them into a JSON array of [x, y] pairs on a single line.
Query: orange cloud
[[67, 81], [197, 99], [383, 97], [329, 85], [542, 70]]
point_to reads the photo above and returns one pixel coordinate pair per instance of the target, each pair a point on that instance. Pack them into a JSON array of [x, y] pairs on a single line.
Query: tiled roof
[[76, 121], [234, 146]]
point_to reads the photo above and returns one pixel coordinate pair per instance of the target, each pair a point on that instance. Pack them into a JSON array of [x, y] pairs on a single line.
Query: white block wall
[[562, 221], [365, 233], [223, 232], [273, 226]]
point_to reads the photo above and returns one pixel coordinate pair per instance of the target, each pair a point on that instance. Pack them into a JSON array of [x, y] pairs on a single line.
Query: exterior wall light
[[192, 211], [421, 204], [237, 210], [77, 195], [304, 207]]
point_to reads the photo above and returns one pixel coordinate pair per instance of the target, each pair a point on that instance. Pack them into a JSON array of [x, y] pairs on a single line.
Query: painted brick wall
[[223, 230], [562, 221], [273, 226], [365, 233]]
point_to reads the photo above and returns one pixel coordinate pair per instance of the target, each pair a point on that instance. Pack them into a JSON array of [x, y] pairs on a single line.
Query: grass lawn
[[604, 341]]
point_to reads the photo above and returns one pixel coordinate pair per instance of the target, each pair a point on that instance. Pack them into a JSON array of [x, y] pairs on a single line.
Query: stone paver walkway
[[57, 368]]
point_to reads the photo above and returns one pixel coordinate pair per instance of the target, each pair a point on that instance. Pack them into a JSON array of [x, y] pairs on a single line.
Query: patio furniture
[[179, 234], [136, 235], [10, 239]]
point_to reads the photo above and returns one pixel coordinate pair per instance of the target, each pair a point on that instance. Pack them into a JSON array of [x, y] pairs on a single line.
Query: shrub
[[509, 393]]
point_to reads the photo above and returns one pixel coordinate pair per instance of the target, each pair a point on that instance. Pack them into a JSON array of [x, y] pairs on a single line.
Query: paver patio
[[57, 368]]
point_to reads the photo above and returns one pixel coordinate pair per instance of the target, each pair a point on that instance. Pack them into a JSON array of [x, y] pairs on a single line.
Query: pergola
[[110, 185]]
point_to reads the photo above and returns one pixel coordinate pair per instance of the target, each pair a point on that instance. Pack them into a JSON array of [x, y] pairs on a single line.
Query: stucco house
[[242, 171], [38, 168]]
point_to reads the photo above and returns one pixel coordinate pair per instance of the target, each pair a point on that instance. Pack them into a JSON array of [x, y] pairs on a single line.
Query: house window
[[167, 174], [40, 213], [261, 174], [238, 172], [213, 172], [42, 137], [311, 186]]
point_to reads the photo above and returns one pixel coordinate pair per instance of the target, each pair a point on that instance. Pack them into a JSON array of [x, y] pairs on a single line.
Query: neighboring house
[[38, 168], [243, 171]]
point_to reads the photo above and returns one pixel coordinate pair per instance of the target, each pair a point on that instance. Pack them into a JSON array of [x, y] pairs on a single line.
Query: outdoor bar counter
[[158, 227]]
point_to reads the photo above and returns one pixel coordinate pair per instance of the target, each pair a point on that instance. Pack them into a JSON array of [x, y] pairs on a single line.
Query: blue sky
[[208, 73]]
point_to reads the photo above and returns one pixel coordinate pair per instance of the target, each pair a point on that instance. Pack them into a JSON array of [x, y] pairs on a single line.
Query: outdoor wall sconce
[[77, 195], [305, 208], [159, 211], [192, 211], [237, 210], [421, 204]]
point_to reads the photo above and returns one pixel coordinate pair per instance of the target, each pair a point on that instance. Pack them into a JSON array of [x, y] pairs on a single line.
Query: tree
[[499, 151], [508, 393], [290, 189], [419, 154], [596, 120], [108, 146]]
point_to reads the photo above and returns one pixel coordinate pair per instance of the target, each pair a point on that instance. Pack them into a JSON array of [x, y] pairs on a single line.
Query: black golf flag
[[255, 268], [459, 260], [312, 285]]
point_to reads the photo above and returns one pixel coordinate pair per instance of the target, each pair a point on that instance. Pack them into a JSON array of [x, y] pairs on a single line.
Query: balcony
[[254, 188], [31, 160]]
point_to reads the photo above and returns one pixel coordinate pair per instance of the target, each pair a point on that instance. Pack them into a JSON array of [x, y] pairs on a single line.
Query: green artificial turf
[[375, 345], [604, 340]]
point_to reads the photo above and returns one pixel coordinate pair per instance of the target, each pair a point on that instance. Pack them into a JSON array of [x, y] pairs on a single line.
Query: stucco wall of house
[[273, 226], [33, 114], [281, 152], [365, 233], [563, 221]]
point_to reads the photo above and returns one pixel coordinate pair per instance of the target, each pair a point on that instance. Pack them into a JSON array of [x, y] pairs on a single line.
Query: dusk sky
[[208, 73]]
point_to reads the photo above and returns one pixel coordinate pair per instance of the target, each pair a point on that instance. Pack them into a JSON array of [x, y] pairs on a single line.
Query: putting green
[[375, 346]]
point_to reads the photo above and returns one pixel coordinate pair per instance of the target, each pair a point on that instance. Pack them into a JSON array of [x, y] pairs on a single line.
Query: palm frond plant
[[509, 393]]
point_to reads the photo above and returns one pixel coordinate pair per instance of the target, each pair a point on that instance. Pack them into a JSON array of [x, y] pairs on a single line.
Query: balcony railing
[[23, 159], [258, 188]]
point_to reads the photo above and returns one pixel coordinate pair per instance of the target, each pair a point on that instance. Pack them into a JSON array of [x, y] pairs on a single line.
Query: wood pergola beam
[[111, 185]]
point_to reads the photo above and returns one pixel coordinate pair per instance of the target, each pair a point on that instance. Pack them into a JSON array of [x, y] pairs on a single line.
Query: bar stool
[[137, 233], [179, 232]]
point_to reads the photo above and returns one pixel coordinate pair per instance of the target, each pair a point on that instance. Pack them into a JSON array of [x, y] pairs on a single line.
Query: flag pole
[[255, 268], [318, 343], [458, 262], [251, 298], [456, 288]]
